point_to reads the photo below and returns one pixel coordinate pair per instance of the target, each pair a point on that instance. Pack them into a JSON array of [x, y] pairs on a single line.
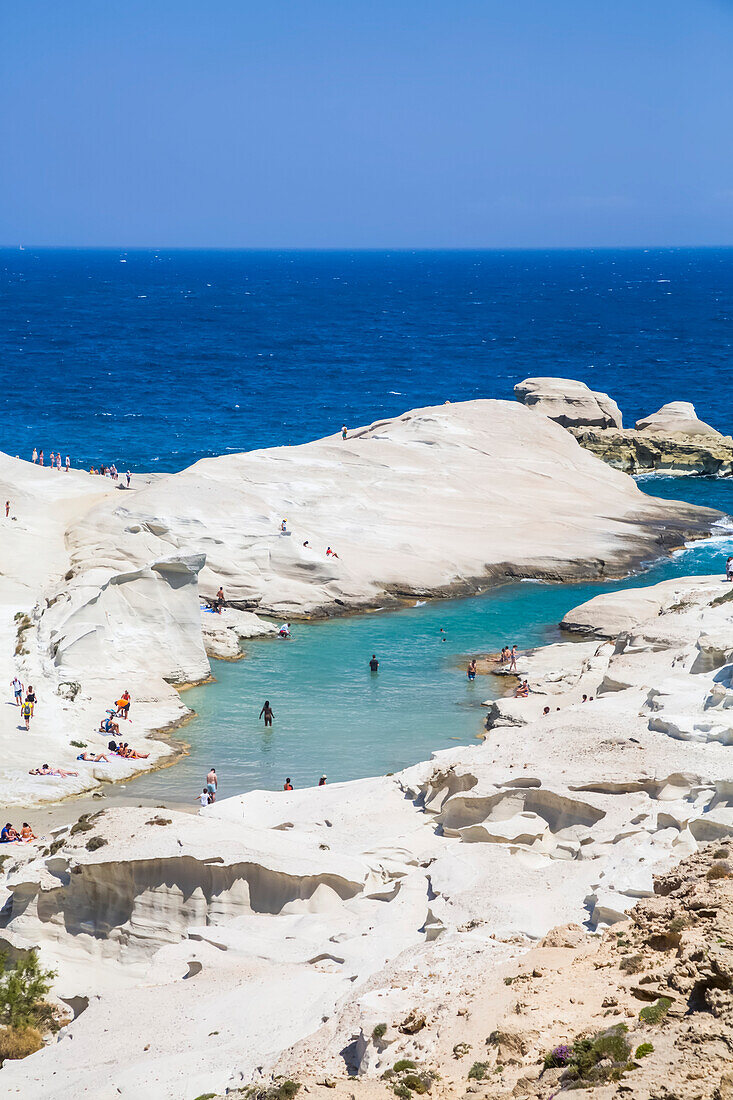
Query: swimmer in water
[[267, 713]]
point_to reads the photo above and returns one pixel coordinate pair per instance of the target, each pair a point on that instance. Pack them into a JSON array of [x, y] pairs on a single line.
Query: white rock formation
[[437, 501], [676, 417], [347, 918], [569, 402]]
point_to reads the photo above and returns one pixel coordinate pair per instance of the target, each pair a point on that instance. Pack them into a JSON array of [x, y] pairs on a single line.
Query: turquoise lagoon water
[[333, 715]]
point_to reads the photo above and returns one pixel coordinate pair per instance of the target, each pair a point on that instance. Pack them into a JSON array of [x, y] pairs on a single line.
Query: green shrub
[[478, 1071], [720, 853], [78, 744], [94, 843], [414, 1083], [654, 1014], [403, 1092], [23, 990], [403, 1064], [717, 871], [604, 1058], [379, 1030], [632, 964], [460, 1049], [643, 1050]]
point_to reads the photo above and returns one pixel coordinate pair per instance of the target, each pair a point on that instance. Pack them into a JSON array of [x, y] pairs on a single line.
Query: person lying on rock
[[130, 754], [89, 759], [46, 769]]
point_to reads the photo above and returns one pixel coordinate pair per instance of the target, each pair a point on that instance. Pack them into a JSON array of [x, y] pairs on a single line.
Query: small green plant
[[720, 853], [402, 1091], [94, 843], [642, 1050], [414, 1083], [678, 924], [23, 990], [460, 1050], [78, 744], [56, 845], [403, 1064], [508, 981], [206, 1096], [632, 964], [378, 1032], [83, 825], [159, 821], [718, 871], [588, 1062], [654, 1014], [279, 1090], [478, 1071]]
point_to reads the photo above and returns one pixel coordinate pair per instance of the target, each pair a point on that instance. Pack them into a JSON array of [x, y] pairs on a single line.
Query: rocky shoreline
[[672, 440]]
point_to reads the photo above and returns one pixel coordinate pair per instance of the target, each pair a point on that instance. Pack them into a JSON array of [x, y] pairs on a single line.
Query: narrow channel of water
[[333, 716]]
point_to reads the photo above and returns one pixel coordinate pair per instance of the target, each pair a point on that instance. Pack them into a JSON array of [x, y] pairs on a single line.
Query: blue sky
[[344, 123]]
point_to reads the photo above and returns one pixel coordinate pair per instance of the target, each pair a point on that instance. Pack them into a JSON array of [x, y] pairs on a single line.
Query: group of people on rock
[[54, 460], [27, 705], [508, 657], [9, 834]]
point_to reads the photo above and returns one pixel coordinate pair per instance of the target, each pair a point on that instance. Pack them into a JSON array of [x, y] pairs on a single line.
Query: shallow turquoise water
[[333, 715]]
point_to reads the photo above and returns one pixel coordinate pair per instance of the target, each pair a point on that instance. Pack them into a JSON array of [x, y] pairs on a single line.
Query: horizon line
[[364, 248]]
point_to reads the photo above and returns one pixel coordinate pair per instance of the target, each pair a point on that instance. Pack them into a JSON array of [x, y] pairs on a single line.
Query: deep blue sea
[[155, 359], [152, 360]]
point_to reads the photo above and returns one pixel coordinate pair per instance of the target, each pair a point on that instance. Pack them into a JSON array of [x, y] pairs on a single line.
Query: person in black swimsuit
[[374, 663]]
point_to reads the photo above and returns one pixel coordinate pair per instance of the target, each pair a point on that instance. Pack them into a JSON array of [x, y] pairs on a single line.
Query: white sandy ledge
[[276, 930]]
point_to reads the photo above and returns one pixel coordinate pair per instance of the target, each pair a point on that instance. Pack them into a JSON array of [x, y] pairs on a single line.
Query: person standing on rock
[[26, 712], [35, 455], [219, 600], [513, 659], [729, 569], [267, 713], [30, 697], [7, 508], [17, 691], [68, 464], [343, 432]]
